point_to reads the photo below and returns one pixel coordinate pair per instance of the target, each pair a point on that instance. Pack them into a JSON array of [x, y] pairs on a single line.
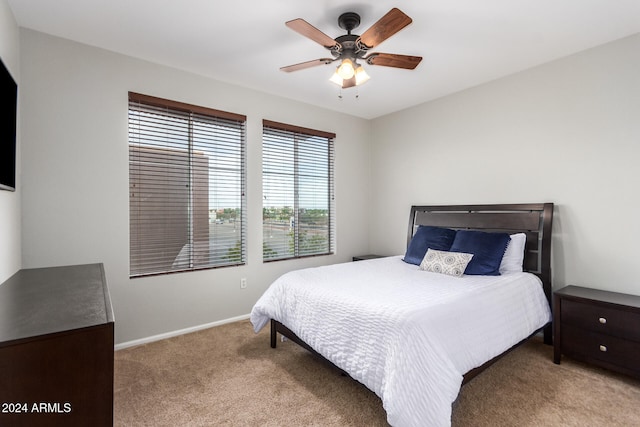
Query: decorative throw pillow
[[514, 255], [426, 237], [451, 263], [487, 249]]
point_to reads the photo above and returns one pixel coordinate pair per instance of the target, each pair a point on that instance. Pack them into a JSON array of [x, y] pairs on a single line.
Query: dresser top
[[42, 301], [578, 292]]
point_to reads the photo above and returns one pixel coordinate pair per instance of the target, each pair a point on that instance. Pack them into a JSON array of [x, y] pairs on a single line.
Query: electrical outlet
[[243, 283]]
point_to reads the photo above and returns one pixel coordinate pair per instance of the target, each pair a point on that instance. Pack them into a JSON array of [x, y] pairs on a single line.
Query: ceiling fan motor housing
[[347, 45]]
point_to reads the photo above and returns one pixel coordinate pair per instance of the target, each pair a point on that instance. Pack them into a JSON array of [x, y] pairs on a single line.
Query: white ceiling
[[463, 42]]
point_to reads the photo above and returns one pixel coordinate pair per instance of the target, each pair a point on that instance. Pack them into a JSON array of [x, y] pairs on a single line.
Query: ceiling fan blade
[[388, 25], [307, 64], [393, 60], [303, 27]]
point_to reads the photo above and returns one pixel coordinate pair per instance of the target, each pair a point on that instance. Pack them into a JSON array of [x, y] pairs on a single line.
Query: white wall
[[566, 132], [10, 223], [75, 180]]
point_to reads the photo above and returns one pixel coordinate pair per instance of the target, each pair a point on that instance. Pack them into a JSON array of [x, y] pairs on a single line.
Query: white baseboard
[[178, 332]]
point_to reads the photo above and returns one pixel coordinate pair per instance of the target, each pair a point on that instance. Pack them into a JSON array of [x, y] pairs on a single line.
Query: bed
[[409, 333]]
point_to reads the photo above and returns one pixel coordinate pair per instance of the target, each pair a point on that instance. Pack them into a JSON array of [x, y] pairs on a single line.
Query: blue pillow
[[487, 249], [426, 237]]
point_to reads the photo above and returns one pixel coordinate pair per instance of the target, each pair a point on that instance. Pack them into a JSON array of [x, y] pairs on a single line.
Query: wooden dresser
[[598, 327], [56, 348]]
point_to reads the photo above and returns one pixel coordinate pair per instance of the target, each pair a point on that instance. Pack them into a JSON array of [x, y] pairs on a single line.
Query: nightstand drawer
[[605, 320], [588, 345]]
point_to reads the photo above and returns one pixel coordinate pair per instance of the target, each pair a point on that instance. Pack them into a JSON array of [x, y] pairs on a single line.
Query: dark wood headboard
[[533, 219]]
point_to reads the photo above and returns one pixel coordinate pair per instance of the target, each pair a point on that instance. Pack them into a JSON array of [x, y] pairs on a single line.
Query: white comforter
[[406, 334]]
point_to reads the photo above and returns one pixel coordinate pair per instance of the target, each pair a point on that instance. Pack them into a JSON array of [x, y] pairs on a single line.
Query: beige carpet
[[229, 376]]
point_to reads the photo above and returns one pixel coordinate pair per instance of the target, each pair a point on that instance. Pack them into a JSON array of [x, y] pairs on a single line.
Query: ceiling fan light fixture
[[346, 70], [335, 78], [361, 75]]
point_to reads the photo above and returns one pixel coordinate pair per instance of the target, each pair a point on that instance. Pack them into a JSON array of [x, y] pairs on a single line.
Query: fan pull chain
[[340, 97]]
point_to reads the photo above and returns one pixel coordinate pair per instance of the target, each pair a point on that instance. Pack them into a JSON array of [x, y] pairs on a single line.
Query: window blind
[[298, 192], [186, 187]]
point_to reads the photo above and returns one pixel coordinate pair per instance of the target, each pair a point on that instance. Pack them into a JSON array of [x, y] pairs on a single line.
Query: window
[[186, 187], [298, 213]]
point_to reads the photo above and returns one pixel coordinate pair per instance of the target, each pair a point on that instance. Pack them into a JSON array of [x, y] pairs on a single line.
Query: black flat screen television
[[8, 114]]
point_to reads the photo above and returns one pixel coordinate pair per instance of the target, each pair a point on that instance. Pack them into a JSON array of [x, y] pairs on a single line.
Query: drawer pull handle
[[603, 348], [602, 320]]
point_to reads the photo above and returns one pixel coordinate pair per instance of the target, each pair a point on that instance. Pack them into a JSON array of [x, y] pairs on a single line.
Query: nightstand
[[598, 327], [364, 257]]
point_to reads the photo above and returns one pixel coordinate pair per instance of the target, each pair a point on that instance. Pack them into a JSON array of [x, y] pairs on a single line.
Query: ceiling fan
[[349, 48]]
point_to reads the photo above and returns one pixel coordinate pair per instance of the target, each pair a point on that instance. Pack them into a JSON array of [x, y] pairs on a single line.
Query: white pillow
[[451, 263], [514, 254]]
